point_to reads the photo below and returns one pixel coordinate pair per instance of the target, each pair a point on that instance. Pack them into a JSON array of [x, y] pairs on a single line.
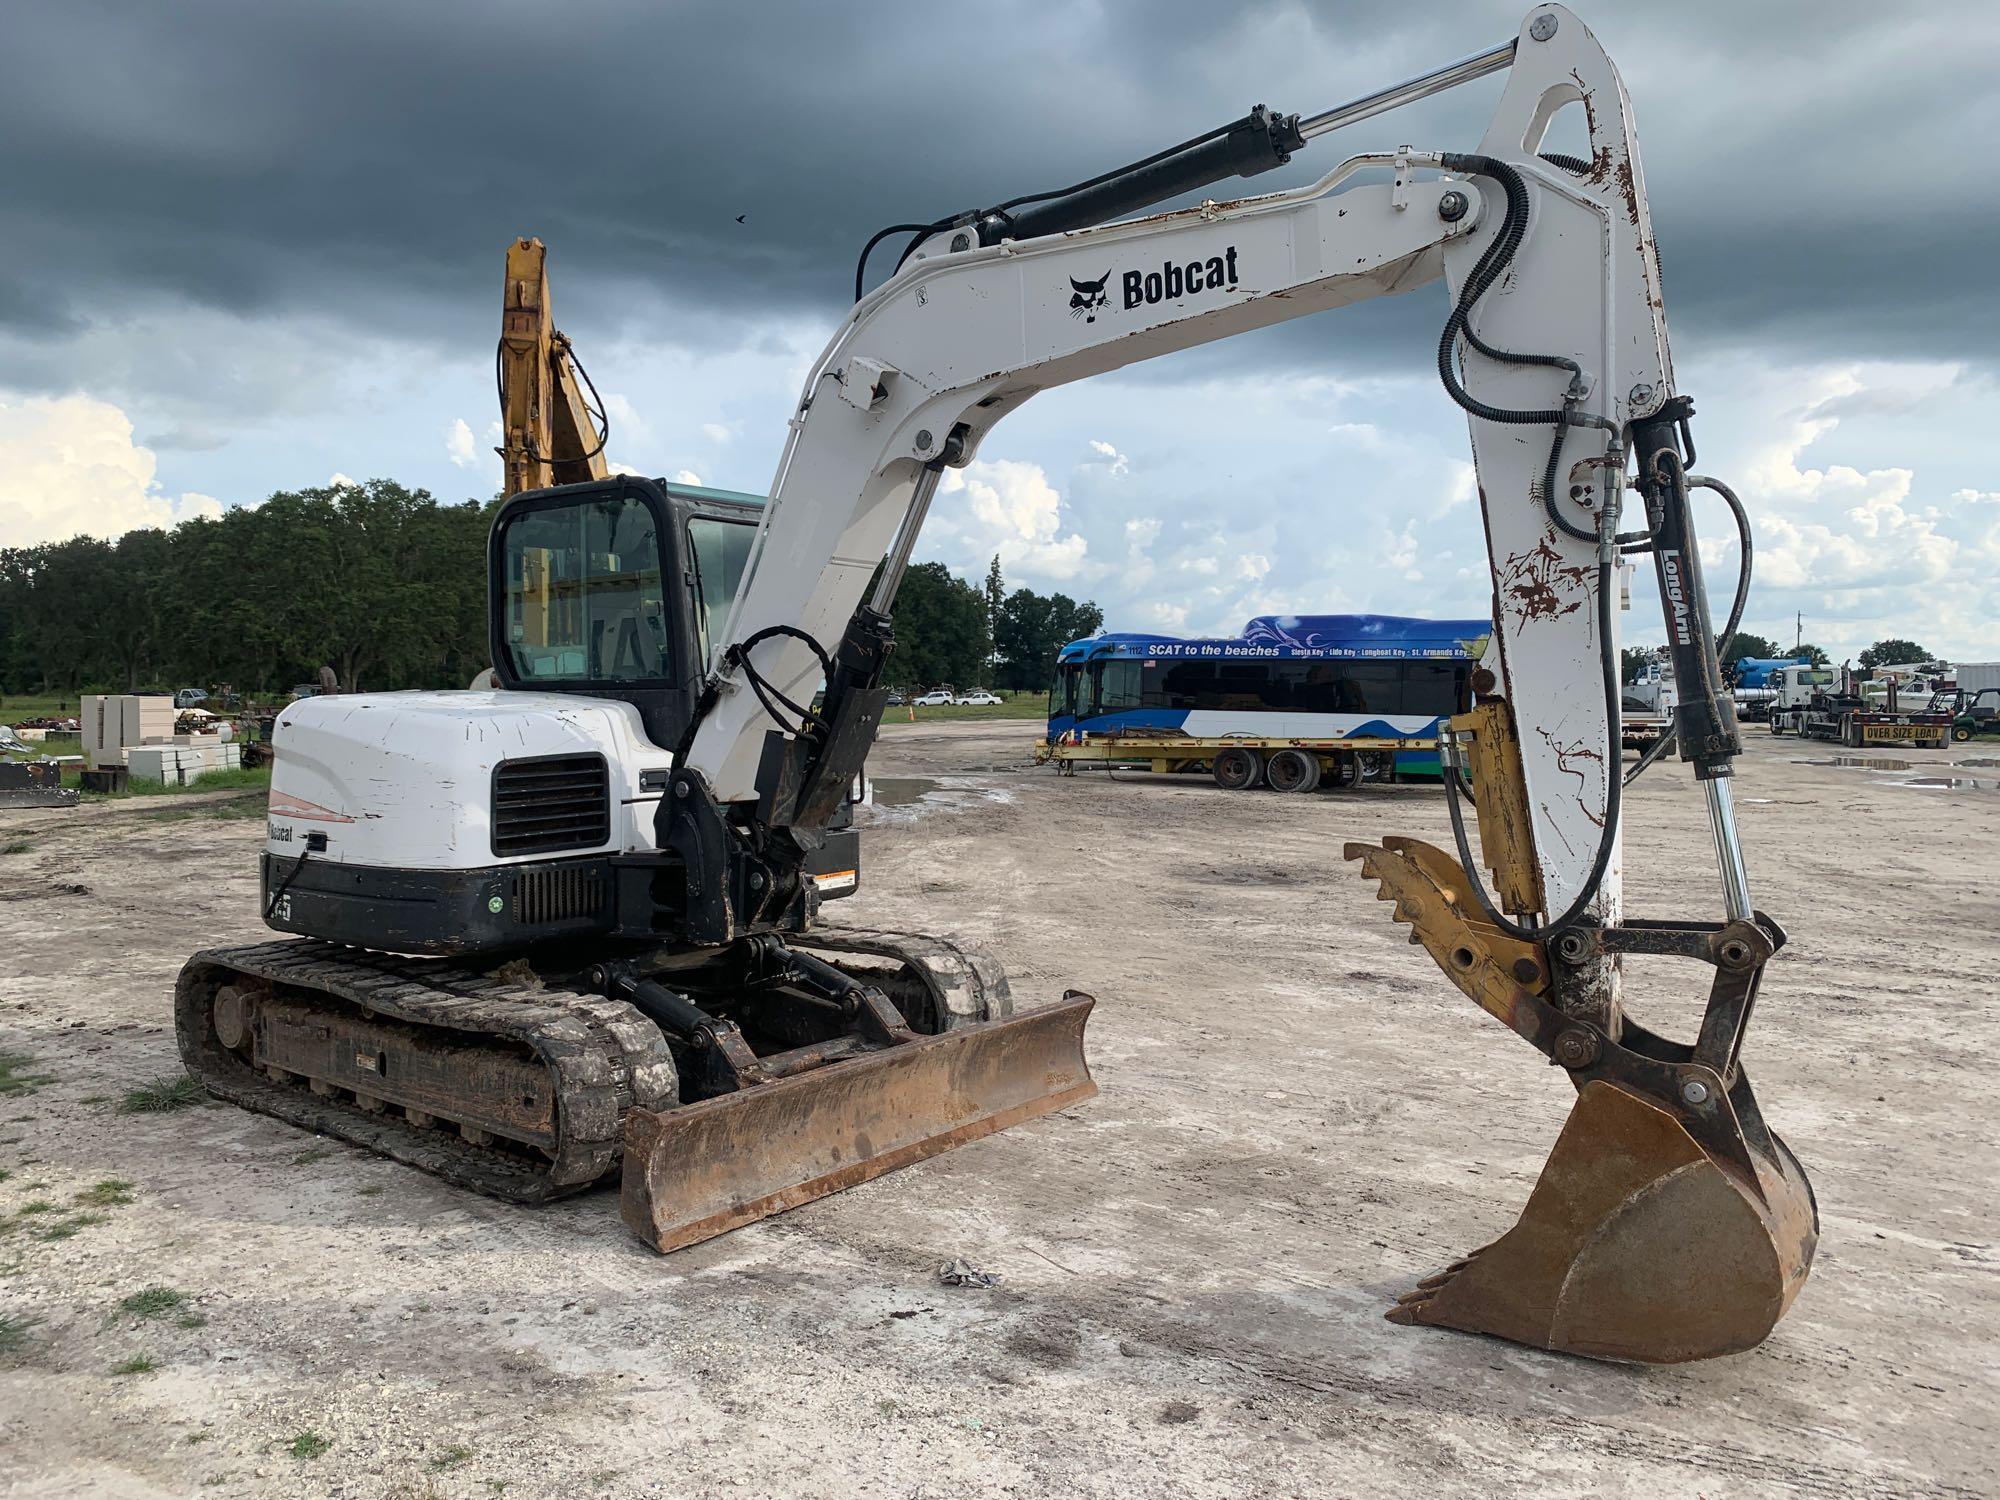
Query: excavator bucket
[[706, 1168], [1637, 1244], [1669, 1223]]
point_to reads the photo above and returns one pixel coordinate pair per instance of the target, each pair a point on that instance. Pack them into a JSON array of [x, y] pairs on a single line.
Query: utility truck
[[1825, 703]]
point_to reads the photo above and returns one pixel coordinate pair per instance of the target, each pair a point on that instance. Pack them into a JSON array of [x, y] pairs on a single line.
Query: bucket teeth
[[1635, 1245], [1640, 1241]]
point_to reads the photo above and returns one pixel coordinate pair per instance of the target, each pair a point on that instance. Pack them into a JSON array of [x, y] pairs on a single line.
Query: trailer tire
[[1237, 770], [1346, 771], [1292, 771]]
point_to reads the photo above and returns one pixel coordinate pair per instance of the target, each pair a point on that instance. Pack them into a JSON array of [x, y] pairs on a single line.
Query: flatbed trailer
[[1858, 728], [1240, 762]]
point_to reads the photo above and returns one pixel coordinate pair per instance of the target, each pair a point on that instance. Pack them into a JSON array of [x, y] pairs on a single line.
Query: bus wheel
[[1237, 770], [1292, 771]]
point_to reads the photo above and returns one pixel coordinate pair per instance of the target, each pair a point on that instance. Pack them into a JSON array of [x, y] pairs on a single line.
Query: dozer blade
[[707, 1168], [1637, 1244]]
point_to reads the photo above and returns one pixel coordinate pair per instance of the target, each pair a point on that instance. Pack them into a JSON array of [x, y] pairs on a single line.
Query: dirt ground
[[1299, 1119]]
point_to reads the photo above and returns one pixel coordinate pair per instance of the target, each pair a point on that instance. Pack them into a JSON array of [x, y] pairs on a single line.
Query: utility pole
[[1798, 631]]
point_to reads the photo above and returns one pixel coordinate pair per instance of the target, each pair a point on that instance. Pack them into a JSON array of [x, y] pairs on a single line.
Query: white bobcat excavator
[[612, 859]]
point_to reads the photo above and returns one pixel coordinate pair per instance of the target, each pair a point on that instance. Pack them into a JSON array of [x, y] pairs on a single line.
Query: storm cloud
[[253, 245], [363, 162]]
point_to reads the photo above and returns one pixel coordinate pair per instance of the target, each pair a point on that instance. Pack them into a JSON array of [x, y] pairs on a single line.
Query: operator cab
[[618, 588], [621, 588]]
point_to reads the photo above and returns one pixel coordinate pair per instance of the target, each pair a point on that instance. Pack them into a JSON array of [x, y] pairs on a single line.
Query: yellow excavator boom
[[551, 434]]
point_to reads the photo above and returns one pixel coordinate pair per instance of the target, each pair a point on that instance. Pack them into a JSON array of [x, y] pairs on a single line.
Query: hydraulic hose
[[1501, 251]]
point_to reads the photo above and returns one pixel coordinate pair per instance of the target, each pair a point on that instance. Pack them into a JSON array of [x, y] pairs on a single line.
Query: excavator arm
[[551, 433], [1670, 1223]]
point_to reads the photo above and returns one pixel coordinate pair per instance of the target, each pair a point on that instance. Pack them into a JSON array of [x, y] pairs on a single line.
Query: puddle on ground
[[1939, 774], [899, 798], [901, 791]]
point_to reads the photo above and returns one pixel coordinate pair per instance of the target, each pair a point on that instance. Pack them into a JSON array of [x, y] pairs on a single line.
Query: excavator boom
[[550, 433], [1670, 1224], [649, 814]]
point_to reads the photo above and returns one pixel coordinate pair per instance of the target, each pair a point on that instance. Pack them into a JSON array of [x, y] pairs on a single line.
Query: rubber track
[[966, 986], [602, 1055]]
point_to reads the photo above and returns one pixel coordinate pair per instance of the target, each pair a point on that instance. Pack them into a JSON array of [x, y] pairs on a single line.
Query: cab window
[[721, 550], [584, 599]]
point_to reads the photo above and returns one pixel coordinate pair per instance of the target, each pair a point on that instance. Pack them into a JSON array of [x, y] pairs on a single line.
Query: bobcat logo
[[1086, 297]]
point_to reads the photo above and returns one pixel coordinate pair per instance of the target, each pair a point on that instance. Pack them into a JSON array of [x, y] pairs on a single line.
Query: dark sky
[[364, 160], [252, 245]]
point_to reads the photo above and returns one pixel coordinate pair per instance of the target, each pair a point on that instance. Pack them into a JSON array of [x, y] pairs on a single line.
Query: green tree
[[135, 624], [376, 580], [996, 596], [1032, 630], [1757, 646], [940, 629], [72, 585], [1630, 660], [1893, 652], [1812, 654]]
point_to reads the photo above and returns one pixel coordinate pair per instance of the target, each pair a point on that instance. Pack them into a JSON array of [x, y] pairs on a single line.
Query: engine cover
[[462, 780], [478, 822]]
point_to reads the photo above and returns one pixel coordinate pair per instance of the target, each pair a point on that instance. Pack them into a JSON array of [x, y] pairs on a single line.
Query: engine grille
[[558, 895], [551, 802]]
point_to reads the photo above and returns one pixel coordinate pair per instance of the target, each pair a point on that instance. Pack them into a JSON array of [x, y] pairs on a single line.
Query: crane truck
[[568, 926]]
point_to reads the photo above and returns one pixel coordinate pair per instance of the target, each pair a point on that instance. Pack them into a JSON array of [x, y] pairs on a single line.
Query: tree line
[[387, 586]]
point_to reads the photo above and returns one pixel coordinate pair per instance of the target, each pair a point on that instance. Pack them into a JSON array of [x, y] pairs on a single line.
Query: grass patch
[[17, 1077], [161, 1096], [64, 1229], [152, 1302], [451, 1458], [308, 1445], [197, 1437], [1020, 706], [374, 1191], [138, 1364], [19, 846], [14, 1332], [316, 1153], [140, 788], [113, 1192], [191, 1320], [38, 1206]]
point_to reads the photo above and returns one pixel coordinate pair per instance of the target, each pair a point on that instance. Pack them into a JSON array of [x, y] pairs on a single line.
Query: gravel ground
[[1299, 1119]]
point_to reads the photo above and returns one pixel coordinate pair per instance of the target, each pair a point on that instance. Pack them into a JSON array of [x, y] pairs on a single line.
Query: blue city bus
[[1306, 677]]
